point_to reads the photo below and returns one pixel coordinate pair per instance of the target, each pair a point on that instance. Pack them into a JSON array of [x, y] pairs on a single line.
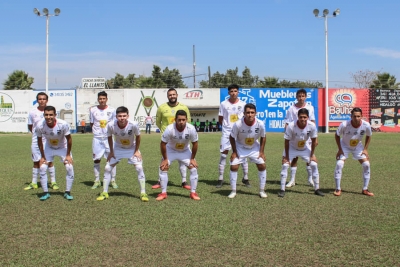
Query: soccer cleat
[[161, 196], [219, 183], [54, 186], [67, 196], [31, 186], [246, 182], [102, 196], [263, 194], [185, 185], [367, 193], [281, 193], [290, 184], [194, 196], [319, 193], [114, 184], [232, 194], [310, 182], [337, 192], [144, 197], [156, 186], [45, 196], [96, 184]]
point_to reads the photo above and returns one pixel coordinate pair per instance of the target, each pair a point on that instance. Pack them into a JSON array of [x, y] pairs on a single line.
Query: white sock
[[284, 170], [96, 169], [366, 174], [163, 177], [233, 178], [43, 177], [141, 178], [182, 170], [338, 173], [309, 171], [69, 177], [263, 179], [245, 167], [113, 173], [293, 171], [222, 163], [193, 179], [315, 174], [107, 177], [35, 173], [52, 172]]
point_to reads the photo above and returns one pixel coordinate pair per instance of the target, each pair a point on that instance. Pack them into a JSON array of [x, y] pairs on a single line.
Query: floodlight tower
[[325, 15], [47, 15]]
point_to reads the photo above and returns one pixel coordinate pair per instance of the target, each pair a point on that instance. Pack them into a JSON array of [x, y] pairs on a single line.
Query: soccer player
[[291, 116], [244, 139], [125, 145], [58, 143], [297, 134], [34, 117], [100, 115], [352, 133], [166, 116], [149, 122], [175, 145], [230, 111]]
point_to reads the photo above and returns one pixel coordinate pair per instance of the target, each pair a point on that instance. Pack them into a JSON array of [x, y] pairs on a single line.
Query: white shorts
[[225, 144], [303, 154], [356, 152], [183, 156], [50, 153], [36, 156], [120, 153], [252, 154], [100, 148]]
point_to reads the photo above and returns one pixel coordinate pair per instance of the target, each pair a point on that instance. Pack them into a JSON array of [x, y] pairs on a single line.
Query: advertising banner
[[385, 110], [272, 103], [342, 101]]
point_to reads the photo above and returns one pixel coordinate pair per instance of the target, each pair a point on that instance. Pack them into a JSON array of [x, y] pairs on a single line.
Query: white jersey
[[100, 118], [247, 136], [352, 136], [291, 113], [55, 137], [231, 113], [298, 136], [34, 117], [179, 141], [126, 137]]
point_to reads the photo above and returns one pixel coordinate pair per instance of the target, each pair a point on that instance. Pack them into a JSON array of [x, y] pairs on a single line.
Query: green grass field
[[299, 230]]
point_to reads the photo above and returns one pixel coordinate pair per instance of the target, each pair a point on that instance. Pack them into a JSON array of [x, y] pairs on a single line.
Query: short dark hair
[[356, 110], [233, 86], [171, 89], [48, 108], [102, 93], [303, 111], [180, 113], [122, 109], [41, 93], [250, 106], [301, 91]]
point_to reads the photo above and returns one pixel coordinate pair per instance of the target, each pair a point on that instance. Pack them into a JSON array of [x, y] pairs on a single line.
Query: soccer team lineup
[[115, 138]]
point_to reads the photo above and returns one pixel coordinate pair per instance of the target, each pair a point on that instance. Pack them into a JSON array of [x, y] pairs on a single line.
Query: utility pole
[[194, 68]]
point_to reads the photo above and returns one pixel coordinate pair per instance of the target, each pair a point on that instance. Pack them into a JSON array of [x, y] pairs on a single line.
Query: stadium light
[[47, 15], [325, 16]]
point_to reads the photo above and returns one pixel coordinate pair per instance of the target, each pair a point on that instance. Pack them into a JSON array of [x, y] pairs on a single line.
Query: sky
[[279, 38]]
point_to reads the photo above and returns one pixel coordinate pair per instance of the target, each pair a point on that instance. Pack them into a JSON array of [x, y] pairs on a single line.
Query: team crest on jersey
[[130, 132], [51, 133], [250, 131], [355, 132], [186, 136], [108, 114], [58, 132], [257, 130], [242, 131], [239, 108], [123, 134], [180, 137], [347, 132]]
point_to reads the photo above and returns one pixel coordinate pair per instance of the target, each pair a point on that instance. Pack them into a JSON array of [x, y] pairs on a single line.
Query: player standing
[[352, 133], [34, 117], [166, 116], [58, 143], [247, 139], [100, 115], [175, 145], [125, 146], [230, 111], [291, 116], [297, 134]]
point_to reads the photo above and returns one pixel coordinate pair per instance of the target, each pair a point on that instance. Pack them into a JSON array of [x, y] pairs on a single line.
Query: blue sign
[[272, 103]]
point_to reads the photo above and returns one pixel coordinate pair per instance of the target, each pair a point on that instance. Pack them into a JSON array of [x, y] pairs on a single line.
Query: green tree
[[18, 80], [172, 78], [385, 81]]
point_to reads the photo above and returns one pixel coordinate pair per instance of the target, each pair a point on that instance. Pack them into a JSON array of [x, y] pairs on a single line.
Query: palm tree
[[18, 80], [385, 81]]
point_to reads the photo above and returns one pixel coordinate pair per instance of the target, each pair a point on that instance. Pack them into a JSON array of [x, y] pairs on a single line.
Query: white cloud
[[382, 52], [67, 70]]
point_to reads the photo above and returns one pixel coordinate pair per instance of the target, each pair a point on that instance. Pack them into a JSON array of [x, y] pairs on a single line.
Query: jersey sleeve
[[289, 116], [91, 118], [30, 122], [311, 115], [339, 130], [38, 131], [235, 130], [262, 129], [165, 136], [288, 132], [368, 129], [158, 118], [136, 129], [66, 129], [109, 129], [194, 136], [314, 132], [220, 111]]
